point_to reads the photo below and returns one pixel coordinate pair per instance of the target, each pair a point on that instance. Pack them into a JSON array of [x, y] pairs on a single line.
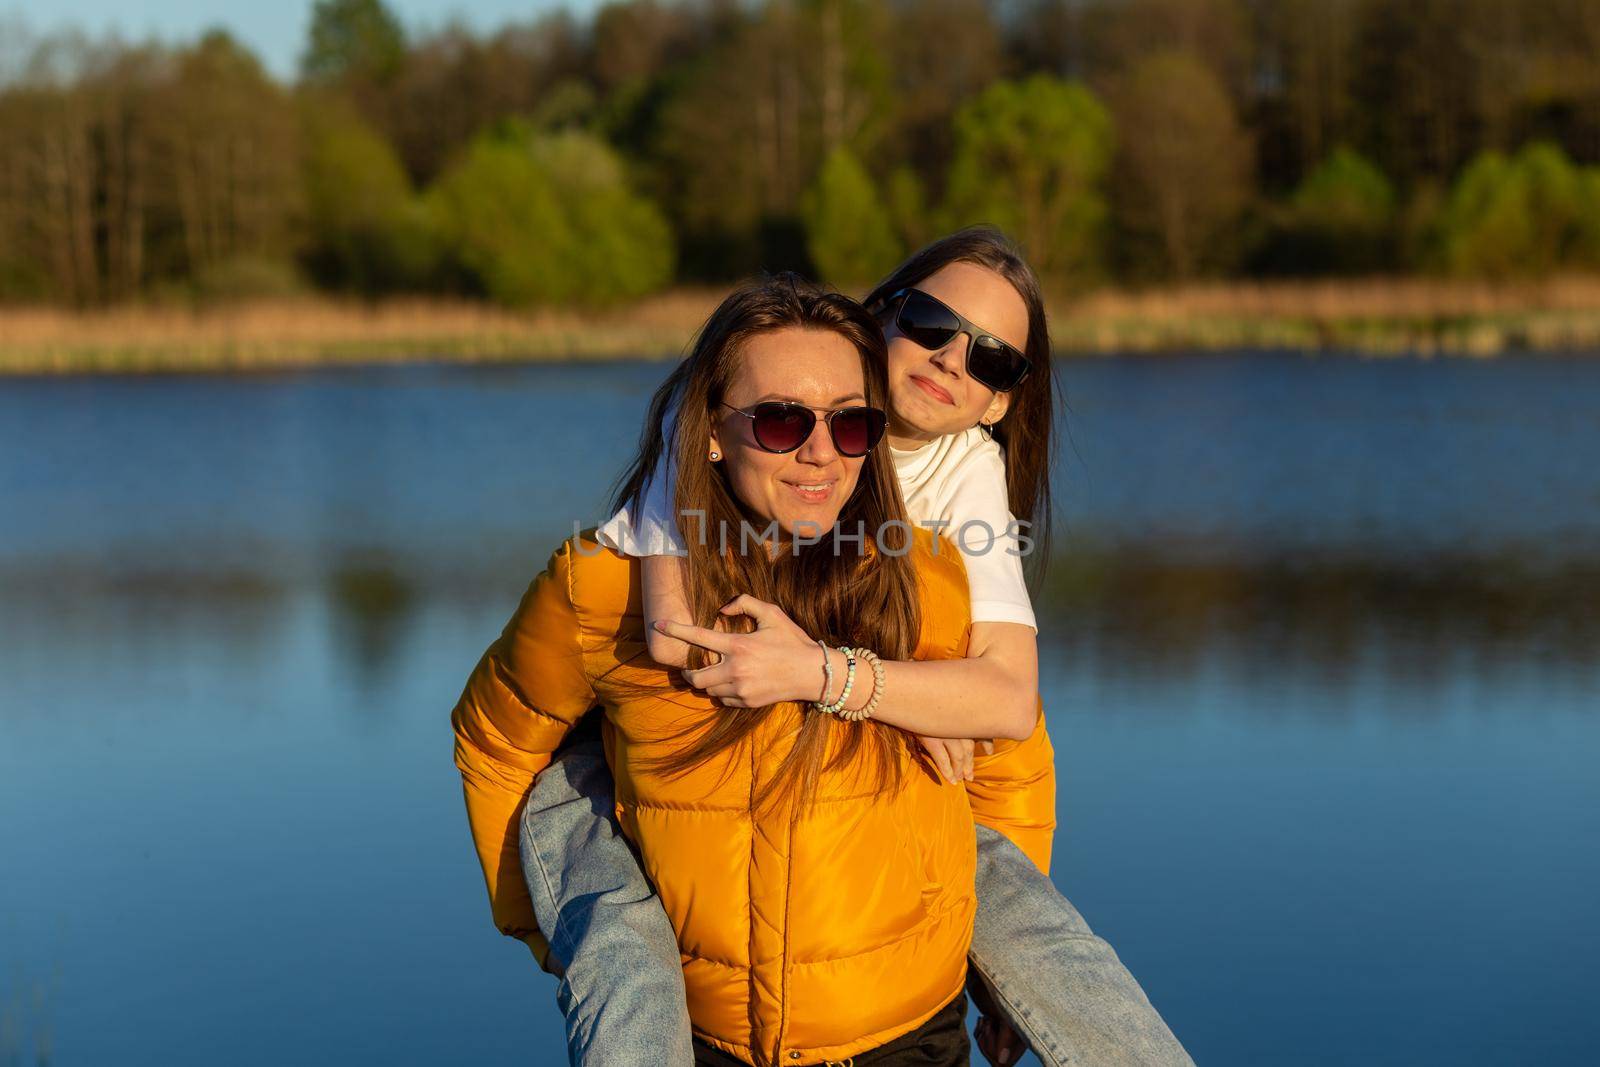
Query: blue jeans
[[1058, 985], [621, 985]]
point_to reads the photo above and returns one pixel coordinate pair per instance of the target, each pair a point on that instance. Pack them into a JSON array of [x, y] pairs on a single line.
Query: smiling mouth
[[937, 392], [811, 492]]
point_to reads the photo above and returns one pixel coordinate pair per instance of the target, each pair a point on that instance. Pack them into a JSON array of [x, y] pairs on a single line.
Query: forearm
[[661, 583], [991, 693], [972, 698]]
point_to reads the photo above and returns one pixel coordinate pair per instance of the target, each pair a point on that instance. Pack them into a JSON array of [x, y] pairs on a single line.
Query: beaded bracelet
[[849, 683], [866, 710]]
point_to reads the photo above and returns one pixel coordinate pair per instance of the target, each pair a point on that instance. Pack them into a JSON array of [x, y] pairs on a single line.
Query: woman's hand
[[778, 661], [952, 755], [999, 1044]]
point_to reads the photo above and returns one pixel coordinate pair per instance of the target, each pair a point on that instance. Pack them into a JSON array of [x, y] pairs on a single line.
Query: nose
[[818, 449], [952, 358]]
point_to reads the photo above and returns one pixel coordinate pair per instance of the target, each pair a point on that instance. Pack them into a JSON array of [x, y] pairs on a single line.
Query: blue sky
[[274, 29]]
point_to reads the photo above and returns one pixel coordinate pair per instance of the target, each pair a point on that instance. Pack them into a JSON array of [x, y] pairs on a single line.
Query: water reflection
[[26, 1032], [1143, 610], [67, 631], [1425, 620], [370, 607]]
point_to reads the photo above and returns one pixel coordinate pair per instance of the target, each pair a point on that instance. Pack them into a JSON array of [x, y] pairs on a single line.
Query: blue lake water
[[1321, 657]]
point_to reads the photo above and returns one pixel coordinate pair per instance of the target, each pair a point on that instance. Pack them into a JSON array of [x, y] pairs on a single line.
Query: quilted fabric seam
[[920, 929]]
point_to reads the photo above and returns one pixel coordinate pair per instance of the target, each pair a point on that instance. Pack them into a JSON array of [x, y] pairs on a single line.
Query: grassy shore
[[1379, 317]]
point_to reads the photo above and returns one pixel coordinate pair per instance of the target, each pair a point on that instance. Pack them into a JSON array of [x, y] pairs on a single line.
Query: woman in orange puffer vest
[[817, 871]]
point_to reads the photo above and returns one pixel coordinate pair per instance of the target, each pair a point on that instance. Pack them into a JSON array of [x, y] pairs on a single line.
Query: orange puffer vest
[[806, 935]]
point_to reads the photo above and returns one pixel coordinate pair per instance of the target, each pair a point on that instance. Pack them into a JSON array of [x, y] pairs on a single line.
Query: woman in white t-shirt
[[972, 399]]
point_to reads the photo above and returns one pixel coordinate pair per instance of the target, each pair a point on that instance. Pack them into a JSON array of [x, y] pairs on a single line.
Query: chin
[[809, 524], [917, 411], [927, 423]]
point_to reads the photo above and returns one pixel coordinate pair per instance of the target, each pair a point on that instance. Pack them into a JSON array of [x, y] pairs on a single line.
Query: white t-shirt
[[955, 483]]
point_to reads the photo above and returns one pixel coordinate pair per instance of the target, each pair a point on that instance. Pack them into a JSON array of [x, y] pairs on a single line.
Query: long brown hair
[[840, 591], [1027, 432]]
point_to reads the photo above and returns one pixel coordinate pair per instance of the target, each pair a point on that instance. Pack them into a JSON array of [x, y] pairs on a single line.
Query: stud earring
[[715, 456]]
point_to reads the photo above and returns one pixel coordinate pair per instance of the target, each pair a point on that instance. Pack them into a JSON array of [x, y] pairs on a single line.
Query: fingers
[[1008, 1044], [1005, 1044], [708, 677], [964, 751], [1000, 1044], [719, 681], [984, 1035], [764, 613], [987, 746], [938, 750], [696, 635]]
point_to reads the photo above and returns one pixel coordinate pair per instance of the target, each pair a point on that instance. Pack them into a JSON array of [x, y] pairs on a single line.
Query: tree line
[[597, 159]]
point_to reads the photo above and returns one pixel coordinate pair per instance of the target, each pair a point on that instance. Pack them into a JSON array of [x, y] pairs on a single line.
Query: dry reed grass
[[1368, 315], [313, 332], [1377, 316], [1396, 298]]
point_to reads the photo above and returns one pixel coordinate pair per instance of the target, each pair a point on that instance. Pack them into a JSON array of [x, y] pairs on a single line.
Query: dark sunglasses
[[932, 323], [781, 427]]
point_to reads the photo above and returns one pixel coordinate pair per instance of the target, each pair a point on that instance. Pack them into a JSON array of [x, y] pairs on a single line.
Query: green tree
[[1114, 36], [1528, 214], [1308, 108], [1341, 218], [752, 119], [1184, 163], [367, 229], [229, 148], [1031, 157], [497, 215], [1439, 81], [538, 218], [907, 202], [1346, 192], [353, 39], [633, 40], [942, 53], [623, 245], [848, 231], [454, 84], [1587, 250]]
